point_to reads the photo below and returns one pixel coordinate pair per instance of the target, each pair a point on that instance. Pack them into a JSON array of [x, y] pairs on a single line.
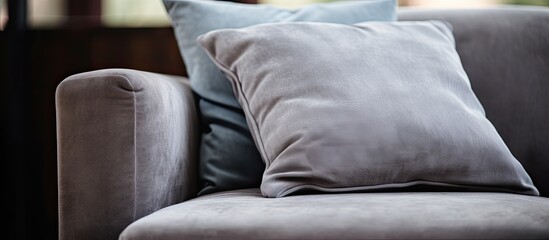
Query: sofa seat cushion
[[245, 214]]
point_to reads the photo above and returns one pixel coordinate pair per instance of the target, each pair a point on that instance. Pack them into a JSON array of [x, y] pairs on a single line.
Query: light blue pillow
[[229, 158]]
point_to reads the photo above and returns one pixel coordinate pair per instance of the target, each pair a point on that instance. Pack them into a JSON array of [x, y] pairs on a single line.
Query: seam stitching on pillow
[[393, 186], [442, 31]]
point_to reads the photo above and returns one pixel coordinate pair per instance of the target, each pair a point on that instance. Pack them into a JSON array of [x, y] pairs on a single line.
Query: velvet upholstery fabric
[[228, 156], [389, 107], [495, 46], [505, 52], [127, 144], [245, 214]]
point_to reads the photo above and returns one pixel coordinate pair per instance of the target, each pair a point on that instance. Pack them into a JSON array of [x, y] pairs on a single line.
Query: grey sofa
[[127, 148]]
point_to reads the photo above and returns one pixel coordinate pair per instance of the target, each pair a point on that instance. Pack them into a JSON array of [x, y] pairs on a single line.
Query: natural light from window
[[3, 14], [151, 13], [133, 13]]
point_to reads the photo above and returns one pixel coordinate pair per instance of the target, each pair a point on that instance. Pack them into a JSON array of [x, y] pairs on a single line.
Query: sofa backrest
[[505, 52]]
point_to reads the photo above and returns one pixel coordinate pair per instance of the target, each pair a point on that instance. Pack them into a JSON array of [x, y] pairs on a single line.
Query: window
[[133, 13], [151, 13], [109, 13], [46, 13], [3, 14]]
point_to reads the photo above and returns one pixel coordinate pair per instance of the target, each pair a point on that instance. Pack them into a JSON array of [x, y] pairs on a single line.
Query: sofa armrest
[[127, 144]]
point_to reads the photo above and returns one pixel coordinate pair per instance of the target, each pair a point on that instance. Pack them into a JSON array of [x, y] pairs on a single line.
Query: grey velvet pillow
[[228, 156], [362, 107]]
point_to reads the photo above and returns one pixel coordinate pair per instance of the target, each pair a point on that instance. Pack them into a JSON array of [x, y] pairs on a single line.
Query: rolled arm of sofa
[[127, 144]]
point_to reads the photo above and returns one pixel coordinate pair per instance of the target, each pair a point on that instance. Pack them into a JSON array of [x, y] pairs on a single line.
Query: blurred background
[[151, 13], [44, 41]]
